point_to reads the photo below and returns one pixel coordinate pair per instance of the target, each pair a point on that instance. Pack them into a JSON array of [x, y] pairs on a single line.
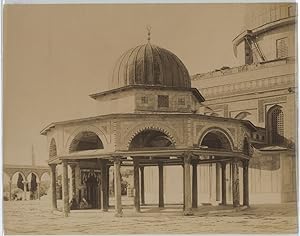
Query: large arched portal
[[86, 140]]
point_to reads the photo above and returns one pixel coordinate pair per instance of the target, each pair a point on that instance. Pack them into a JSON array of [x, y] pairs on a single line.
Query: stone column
[[195, 186], [73, 180], [246, 182], [25, 190], [235, 184], [65, 188], [117, 178], [39, 190], [187, 185], [223, 166], [104, 183], [183, 187], [160, 185], [142, 185], [107, 186], [136, 180], [217, 181], [53, 186], [10, 182]]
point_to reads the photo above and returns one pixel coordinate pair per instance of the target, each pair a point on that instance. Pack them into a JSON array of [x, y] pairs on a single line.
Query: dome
[[152, 66]]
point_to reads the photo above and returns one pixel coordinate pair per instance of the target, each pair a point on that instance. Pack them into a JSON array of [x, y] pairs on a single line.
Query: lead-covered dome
[[152, 66]]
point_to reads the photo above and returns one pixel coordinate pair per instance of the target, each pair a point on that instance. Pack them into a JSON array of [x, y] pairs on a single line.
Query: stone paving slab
[[35, 217]]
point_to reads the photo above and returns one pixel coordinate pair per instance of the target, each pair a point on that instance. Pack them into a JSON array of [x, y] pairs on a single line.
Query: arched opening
[[33, 180], [86, 140], [17, 189], [275, 125], [6, 180], [44, 185], [151, 139], [52, 149], [90, 196], [216, 139]]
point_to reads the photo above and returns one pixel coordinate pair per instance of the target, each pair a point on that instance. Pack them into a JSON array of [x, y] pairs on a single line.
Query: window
[[181, 101], [276, 125], [291, 10], [163, 101], [281, 48], [144, 100]]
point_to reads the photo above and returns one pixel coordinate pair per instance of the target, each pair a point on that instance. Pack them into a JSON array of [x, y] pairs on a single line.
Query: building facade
[[263, 91]]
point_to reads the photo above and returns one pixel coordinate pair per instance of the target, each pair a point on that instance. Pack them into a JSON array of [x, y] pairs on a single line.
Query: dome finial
[[149, 32]]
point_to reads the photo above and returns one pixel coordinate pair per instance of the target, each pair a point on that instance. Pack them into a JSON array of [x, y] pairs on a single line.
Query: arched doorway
[[92, 194]]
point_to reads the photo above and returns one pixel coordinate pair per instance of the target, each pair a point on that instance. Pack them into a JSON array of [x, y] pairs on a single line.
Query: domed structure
[[152, 66]]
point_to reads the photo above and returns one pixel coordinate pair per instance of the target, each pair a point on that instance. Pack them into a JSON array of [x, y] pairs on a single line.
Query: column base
[[66, 214], [188, 212], [119, 214], [105, 210]]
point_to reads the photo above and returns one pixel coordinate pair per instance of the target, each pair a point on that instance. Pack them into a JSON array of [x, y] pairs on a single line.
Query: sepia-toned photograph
[[150, 118]]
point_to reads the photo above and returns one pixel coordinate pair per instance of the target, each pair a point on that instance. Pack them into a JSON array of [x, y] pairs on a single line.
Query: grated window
[[144, 100], [281, 48], [277, 126], [163, 101]]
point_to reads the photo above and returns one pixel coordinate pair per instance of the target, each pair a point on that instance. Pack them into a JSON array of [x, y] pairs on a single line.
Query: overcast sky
[[56, 55]]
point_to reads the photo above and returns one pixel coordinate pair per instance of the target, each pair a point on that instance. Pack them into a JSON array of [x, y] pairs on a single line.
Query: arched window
[[276, 125], [52, 149]]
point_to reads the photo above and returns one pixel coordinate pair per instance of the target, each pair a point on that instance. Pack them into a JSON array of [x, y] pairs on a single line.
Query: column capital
[[52, 166], [187, 157], [117, 159], [246, 162]]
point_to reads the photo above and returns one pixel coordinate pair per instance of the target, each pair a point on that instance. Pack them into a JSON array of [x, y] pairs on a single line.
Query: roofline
[[195, 91], [261, 29], [247, 123]]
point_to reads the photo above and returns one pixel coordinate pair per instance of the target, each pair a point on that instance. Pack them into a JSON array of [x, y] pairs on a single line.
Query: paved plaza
[[35, 217]]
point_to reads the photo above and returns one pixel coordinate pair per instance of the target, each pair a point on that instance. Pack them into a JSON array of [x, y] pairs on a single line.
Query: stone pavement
[[35, 217]]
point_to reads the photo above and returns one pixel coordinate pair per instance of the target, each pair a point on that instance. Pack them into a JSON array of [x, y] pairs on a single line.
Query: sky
[[56, 55]]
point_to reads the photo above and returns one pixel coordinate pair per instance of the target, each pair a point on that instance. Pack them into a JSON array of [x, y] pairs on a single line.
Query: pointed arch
[[52, 149]]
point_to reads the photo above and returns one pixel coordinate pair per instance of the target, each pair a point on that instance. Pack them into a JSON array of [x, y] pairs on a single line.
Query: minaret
[[32, 156]]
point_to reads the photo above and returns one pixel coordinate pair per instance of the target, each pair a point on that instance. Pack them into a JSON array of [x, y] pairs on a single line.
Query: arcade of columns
[[190, 185]]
